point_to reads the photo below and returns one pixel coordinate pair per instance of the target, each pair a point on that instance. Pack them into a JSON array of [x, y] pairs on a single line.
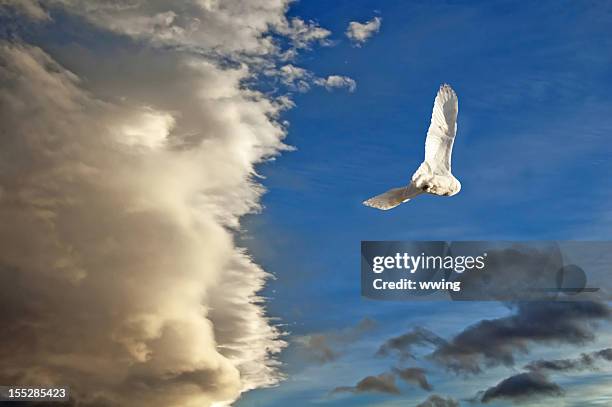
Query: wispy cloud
[[586, 361], [403, 344], [329, 346], [438, 401], [383, 383], [414, 375], [300, 79]]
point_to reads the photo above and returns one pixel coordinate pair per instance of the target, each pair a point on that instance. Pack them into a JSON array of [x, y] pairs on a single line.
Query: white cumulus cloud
[[300, 79], [359, 33], [337, 81]]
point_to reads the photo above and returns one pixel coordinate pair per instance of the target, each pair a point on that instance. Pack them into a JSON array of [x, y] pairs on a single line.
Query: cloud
[[124, 173], [30, 8], [522, 387], [437, 401], [225, 28], [327, 347], [414, 375], [383, 383], [496, 341], [300, 79], [586, 361], [114, 267], [359, 33], [512, 273], [303, 34], [319, 348], [295, 77], [337, 81], [402, 345]]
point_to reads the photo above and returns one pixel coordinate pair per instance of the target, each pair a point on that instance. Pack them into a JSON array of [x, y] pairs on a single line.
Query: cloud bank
[[127, 160]]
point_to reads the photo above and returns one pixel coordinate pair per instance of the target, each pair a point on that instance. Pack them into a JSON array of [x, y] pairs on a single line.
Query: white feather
[[442, 130], [393, 197]]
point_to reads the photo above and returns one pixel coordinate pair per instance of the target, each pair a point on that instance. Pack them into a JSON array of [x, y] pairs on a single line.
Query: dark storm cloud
[[605, 354], [402, 345], [522, 387], [414, 375], [586, 361], [496, 341], [383, 383], [437, 401]]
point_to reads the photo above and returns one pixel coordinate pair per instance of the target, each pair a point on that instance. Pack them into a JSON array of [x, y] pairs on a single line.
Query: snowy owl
[[434, 175]]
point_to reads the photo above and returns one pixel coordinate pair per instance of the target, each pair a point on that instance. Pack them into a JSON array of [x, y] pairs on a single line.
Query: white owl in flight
[[434, 175]]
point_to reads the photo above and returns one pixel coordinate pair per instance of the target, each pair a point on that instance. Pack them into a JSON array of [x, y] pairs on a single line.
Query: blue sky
[[532, 153]]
